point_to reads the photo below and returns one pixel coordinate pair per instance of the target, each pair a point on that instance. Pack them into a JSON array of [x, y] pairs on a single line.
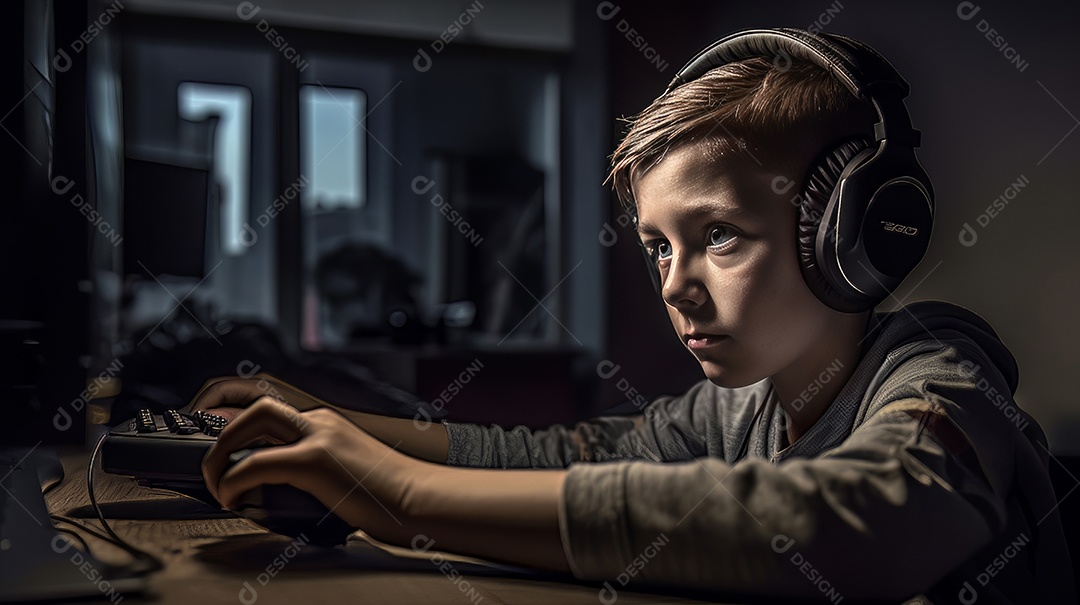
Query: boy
[[830, 453]]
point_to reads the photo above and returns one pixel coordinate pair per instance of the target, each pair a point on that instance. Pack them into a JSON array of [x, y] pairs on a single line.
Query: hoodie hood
[[894, 340], [938, 321]]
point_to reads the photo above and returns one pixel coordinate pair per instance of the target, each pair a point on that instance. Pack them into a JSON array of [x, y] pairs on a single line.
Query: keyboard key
[[144, 422], [210, 424], [180, 424]]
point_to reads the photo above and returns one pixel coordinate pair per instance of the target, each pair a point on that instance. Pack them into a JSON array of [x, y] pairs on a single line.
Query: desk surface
[[209, 555]]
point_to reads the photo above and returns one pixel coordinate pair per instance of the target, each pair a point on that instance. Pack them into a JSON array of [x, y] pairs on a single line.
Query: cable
[[73, 534], [117, 569], [86, 528], [154, 563]]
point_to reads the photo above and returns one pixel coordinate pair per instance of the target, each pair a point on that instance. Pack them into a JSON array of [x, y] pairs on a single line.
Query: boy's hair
[[751, 107]]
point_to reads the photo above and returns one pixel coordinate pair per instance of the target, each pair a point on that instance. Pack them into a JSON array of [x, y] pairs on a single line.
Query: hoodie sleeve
[[698, 423], [913, 491], [797, 529]]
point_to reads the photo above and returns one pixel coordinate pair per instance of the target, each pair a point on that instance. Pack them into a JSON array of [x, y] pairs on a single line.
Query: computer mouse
[[290, 511]]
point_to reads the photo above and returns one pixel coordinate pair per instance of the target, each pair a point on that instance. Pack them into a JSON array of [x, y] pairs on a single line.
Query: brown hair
[[750, 107]]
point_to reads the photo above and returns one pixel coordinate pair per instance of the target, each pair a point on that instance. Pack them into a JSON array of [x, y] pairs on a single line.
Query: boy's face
[[726, 244]]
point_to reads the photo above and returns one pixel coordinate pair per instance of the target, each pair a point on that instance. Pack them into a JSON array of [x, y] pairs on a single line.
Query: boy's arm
[[668, 429], [903, 500], [426, 441], [925, 492], [510, 516], [227, 396]]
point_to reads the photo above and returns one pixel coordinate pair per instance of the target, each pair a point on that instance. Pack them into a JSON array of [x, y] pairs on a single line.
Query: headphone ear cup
[[821, 182]]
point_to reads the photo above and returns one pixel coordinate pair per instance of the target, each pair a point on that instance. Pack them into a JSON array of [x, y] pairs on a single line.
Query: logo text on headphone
[[901, 229]]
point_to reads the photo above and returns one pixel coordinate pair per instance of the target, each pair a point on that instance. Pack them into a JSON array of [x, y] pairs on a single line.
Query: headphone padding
[[821, 181]]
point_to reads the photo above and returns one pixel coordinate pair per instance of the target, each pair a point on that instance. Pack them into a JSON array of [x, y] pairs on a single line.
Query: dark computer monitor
[[165, 219], [44, 146]]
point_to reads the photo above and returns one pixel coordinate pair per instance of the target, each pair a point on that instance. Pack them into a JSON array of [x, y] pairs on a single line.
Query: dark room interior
[[402, 208]]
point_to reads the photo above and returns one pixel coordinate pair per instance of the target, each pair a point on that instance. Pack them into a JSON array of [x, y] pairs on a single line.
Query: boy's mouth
[[701, 340]]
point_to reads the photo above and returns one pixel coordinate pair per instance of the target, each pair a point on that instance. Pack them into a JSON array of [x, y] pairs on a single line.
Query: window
[[332, 154], [232, 149]]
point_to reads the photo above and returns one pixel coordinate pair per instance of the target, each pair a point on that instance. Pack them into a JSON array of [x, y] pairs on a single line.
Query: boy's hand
[[229, 396], [359, 478]]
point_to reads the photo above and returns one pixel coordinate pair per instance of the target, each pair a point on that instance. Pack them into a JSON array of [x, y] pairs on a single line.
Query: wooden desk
[[209, 555]]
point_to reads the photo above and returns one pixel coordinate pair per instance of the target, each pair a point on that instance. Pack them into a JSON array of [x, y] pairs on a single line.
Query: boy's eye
[[662, 249], [719, 236]]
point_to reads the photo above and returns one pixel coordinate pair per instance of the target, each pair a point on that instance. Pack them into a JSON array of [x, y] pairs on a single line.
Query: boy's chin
[[726, 377]]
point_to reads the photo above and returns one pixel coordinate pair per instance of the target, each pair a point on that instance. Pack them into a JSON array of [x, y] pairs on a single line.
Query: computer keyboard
[[163, 450], [166, 450]]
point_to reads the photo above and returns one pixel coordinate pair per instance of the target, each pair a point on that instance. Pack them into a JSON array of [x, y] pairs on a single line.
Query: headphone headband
[[857, 65]]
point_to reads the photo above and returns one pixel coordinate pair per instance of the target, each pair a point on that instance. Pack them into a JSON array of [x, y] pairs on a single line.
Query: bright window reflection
[[332, 153], [232, 149]]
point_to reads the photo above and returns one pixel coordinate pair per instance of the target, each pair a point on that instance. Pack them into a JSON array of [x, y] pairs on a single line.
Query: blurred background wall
[[456, 152]]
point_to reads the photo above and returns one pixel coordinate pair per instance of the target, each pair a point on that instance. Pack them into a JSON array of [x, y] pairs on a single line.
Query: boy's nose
[[683, 287]]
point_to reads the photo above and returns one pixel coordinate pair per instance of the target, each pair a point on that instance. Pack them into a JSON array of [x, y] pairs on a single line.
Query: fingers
[[220, 392], [275, 465], [227, 413], [266, 418], [301, 400], [241, 392]]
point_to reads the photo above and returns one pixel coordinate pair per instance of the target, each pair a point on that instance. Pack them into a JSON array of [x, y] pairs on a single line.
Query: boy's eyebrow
[[714, 209], [646, 229]]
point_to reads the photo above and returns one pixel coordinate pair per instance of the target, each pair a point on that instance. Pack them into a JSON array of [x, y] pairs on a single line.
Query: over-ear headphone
[[867, 206]]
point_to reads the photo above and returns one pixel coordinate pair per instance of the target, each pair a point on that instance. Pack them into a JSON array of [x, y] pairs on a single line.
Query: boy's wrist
[[410, 494]]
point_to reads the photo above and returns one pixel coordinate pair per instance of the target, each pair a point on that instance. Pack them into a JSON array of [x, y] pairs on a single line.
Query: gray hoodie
[[922, 479]]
